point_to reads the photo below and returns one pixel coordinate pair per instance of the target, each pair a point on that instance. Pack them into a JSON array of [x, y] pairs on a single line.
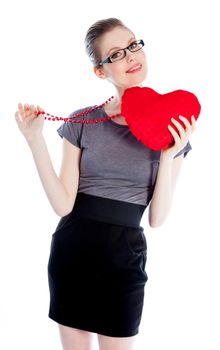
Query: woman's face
[[119, 72]]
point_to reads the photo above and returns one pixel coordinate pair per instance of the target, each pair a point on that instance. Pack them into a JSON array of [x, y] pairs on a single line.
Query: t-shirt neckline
[[112, 122]]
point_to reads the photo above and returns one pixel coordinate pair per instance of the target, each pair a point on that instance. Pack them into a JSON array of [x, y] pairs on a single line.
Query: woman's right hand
[[28, 122]]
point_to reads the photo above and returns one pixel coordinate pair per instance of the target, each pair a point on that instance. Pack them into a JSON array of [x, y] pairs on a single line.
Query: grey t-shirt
[[114, 163]]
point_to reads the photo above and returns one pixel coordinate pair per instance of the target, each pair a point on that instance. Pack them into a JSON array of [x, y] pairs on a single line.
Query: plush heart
[[148, 113]]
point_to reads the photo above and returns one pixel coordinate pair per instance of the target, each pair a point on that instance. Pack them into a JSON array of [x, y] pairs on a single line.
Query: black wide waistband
[[108, 210]]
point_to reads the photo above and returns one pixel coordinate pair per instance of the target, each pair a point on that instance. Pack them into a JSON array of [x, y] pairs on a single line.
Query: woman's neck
[[114, 107], [120, 91], [115, 104]]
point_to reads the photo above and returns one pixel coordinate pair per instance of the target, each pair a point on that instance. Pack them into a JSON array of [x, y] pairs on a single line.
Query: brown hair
[[95, 32]]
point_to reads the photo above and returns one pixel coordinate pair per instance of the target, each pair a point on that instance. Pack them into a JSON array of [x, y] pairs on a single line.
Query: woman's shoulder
[[83, 111]]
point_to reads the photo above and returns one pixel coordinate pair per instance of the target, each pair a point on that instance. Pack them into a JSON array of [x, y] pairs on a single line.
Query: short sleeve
[[72, 131], [184, 151]]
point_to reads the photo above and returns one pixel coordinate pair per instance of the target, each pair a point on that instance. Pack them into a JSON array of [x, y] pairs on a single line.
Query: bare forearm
[[163, 193], [52, 185], [169, 170]]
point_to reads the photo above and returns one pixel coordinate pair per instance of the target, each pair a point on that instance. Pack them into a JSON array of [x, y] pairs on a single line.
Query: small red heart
[[148, 113]]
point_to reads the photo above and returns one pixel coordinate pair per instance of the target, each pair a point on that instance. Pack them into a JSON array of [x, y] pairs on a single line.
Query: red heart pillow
[[148, 113]]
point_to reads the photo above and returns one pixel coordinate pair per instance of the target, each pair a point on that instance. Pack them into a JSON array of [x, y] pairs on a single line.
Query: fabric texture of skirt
[[96, 268]]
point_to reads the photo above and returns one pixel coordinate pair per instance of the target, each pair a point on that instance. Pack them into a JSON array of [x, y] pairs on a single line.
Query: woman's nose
[[130, 55]]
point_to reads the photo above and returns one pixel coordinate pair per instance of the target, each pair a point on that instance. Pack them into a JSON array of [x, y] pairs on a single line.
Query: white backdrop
[[43, 62]]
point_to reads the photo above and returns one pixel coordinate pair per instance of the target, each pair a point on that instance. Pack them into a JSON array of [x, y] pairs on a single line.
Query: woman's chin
[[133, 84], [136, 82]]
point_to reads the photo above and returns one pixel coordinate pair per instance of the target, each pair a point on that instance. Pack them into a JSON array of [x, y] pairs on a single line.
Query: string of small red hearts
[[86, 121]]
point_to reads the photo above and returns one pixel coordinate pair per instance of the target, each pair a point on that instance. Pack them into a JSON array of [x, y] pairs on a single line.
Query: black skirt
[[96, 268]]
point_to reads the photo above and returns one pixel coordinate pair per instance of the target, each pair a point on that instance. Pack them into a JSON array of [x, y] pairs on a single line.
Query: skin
[[61, 190]]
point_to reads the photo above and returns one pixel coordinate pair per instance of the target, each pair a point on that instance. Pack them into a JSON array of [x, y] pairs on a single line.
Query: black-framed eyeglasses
[[120, 54]]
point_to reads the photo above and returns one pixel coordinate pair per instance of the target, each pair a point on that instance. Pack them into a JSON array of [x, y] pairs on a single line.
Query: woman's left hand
[[181, 137]]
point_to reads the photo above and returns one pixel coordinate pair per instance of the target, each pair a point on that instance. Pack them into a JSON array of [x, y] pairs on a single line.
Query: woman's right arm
[[61, 191]]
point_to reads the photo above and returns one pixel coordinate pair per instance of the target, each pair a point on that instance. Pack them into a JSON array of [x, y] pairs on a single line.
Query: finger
[[21, 110], [179, 127], [26, 106], [25, 111], [20, 107], [193, 121], [188, 126], [31, 111], [40, 109], [174, 134], [18, 117], [185, 121]]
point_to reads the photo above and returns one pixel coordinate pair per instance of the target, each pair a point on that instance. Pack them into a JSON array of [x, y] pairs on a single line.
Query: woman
[[107, 179]]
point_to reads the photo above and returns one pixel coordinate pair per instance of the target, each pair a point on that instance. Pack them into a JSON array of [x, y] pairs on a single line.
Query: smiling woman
[[107, 179], [124, 64]]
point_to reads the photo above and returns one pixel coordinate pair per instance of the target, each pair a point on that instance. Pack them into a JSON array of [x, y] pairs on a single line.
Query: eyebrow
[[118, 48]]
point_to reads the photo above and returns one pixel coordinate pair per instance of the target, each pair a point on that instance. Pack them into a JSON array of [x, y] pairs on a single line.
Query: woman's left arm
[[168, 172]]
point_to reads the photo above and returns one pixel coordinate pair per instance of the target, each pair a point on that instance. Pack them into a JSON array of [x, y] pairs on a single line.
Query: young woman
[[107, 179]]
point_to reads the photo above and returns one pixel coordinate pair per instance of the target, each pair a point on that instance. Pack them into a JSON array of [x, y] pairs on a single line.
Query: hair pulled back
[[94, 33]]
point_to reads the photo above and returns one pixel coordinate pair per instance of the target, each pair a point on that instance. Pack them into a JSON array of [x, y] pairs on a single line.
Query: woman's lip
[[134, 69]]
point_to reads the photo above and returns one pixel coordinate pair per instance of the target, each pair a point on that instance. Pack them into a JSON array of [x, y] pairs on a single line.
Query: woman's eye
[[116, 55], [133, 45]]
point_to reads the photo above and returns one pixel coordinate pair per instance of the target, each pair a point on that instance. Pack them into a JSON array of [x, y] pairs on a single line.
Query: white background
[[43, 62]]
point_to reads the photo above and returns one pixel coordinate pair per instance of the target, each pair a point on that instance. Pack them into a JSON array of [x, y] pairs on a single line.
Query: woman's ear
[[99, 71]]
